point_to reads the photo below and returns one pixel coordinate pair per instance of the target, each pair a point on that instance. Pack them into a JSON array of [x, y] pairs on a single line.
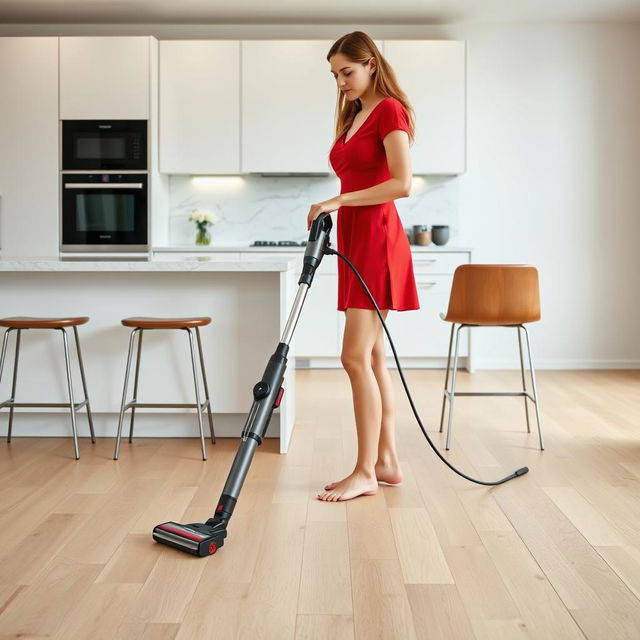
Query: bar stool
[[187, 324], [21, 323], [493, 295]]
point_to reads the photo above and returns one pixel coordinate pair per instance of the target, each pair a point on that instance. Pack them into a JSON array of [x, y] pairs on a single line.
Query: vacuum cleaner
[[204, 539]]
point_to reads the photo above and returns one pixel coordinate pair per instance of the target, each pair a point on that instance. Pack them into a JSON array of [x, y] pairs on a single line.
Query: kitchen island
[[249, 301]]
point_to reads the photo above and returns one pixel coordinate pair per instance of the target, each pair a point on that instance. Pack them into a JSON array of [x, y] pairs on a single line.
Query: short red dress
[[372, 236]]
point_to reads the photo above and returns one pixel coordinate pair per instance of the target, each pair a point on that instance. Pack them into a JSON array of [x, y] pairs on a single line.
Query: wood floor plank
[[324, 627], [325, 586], [381, 606], [41, 608], [438, 612], [418, 547]]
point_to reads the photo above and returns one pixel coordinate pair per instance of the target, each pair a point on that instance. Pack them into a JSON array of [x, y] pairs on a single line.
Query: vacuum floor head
[[199, 539]]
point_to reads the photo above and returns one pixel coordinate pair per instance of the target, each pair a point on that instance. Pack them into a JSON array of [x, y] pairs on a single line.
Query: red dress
[[372, 236]]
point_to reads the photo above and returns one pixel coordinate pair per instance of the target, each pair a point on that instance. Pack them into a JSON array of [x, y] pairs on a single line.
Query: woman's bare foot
[[388, 473], [354, 485]]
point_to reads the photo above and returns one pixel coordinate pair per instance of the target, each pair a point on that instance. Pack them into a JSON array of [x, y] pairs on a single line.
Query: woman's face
[[352, 78]]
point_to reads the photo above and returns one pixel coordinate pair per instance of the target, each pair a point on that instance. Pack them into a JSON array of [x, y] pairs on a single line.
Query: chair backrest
[[494, 294]]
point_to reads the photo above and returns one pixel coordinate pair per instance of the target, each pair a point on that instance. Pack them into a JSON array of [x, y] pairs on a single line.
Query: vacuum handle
[[318, 240]]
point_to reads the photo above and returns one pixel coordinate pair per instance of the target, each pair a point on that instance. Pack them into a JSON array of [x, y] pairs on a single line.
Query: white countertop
[[164, 264], [246, 248]]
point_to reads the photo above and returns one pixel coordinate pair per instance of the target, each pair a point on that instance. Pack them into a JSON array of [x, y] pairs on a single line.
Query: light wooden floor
[[552, 555]]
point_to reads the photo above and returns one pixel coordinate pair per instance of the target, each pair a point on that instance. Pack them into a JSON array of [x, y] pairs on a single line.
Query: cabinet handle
[[426, 285], [106, 185], [426, 261]]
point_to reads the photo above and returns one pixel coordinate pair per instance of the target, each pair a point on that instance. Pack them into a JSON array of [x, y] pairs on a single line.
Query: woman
[[371, 157]]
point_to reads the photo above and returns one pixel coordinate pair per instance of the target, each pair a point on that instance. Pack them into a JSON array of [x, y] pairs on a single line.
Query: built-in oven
[[104, 145], [104, 212]]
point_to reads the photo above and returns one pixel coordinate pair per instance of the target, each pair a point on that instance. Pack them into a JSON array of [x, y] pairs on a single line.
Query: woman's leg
[[387, 466], [360, 333]]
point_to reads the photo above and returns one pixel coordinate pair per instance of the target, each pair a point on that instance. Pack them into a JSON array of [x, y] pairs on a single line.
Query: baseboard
[[478, 363], [490, 363]]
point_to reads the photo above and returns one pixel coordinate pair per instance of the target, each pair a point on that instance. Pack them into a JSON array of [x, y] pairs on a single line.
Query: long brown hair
[[358, 47]]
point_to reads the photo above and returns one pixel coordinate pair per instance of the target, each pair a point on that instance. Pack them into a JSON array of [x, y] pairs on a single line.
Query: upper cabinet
[[432, 74], [268, 106], [200, 106], [29, 146], [105, 77], [288, 106]]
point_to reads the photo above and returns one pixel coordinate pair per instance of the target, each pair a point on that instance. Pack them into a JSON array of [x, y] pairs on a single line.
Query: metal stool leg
[[524, 385], [453, 387], [71, 400], [116, 452], [84, 385], [206, 387], [446, 379], [4, 353], [135, 386], [195, 381], [13, 384], [535, 391]]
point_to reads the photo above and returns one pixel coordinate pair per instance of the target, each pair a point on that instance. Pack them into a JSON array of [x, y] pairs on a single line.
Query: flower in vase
[[203, 219]]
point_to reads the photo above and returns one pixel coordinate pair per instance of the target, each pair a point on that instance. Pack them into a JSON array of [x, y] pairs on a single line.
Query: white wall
[[553, 116], [553, 161]]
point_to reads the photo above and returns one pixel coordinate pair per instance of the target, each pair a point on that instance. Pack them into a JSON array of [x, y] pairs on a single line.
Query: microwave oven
[[104, 145], [104, 212]]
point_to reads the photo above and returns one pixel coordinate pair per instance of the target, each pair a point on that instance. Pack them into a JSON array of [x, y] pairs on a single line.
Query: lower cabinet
[[416, 334]]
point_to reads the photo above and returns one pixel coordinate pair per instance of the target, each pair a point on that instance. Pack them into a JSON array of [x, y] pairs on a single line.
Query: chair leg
[[524, 385], [535, 391], [13, 384], [195, 382], [453, 388], [116, 452], [135, 386], [206, 387], [84, 385], [446, 379], [71, 399]]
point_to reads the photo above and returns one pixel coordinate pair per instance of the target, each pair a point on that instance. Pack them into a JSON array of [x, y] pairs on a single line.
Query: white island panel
[[247, 301]]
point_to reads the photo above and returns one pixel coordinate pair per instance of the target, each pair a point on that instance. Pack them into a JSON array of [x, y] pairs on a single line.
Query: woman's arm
[[396, 145]]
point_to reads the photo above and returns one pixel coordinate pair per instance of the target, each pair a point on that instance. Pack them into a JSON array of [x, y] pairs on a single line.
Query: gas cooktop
[[278, 243]]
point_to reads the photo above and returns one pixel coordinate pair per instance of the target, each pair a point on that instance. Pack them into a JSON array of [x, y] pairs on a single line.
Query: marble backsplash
[[254, 207]]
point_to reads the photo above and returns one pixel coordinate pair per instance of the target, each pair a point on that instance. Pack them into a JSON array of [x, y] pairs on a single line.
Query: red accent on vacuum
[[280, 394], [192, 535]]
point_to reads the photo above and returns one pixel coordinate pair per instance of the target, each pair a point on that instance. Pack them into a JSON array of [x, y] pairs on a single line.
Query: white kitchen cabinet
[[29, 146], [200, 106], [288, 105], [105, 77], [433, 75]]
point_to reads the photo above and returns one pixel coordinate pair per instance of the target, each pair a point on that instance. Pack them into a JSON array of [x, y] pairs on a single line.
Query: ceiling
[[320, 12]]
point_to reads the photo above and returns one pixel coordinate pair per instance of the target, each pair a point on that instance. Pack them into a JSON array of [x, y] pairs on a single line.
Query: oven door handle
[[114, 185]]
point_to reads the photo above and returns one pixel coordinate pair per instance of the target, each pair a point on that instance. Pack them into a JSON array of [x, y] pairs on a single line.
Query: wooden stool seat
[[28, 322], [166, 323]]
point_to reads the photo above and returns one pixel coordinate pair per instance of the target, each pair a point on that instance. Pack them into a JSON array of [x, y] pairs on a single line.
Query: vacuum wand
[[203, 539]]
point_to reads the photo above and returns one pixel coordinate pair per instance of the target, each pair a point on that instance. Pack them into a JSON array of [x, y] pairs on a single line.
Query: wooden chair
[[492, 295]]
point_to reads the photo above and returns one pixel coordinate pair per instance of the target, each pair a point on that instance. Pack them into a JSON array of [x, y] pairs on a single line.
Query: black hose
[[515, 474]]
